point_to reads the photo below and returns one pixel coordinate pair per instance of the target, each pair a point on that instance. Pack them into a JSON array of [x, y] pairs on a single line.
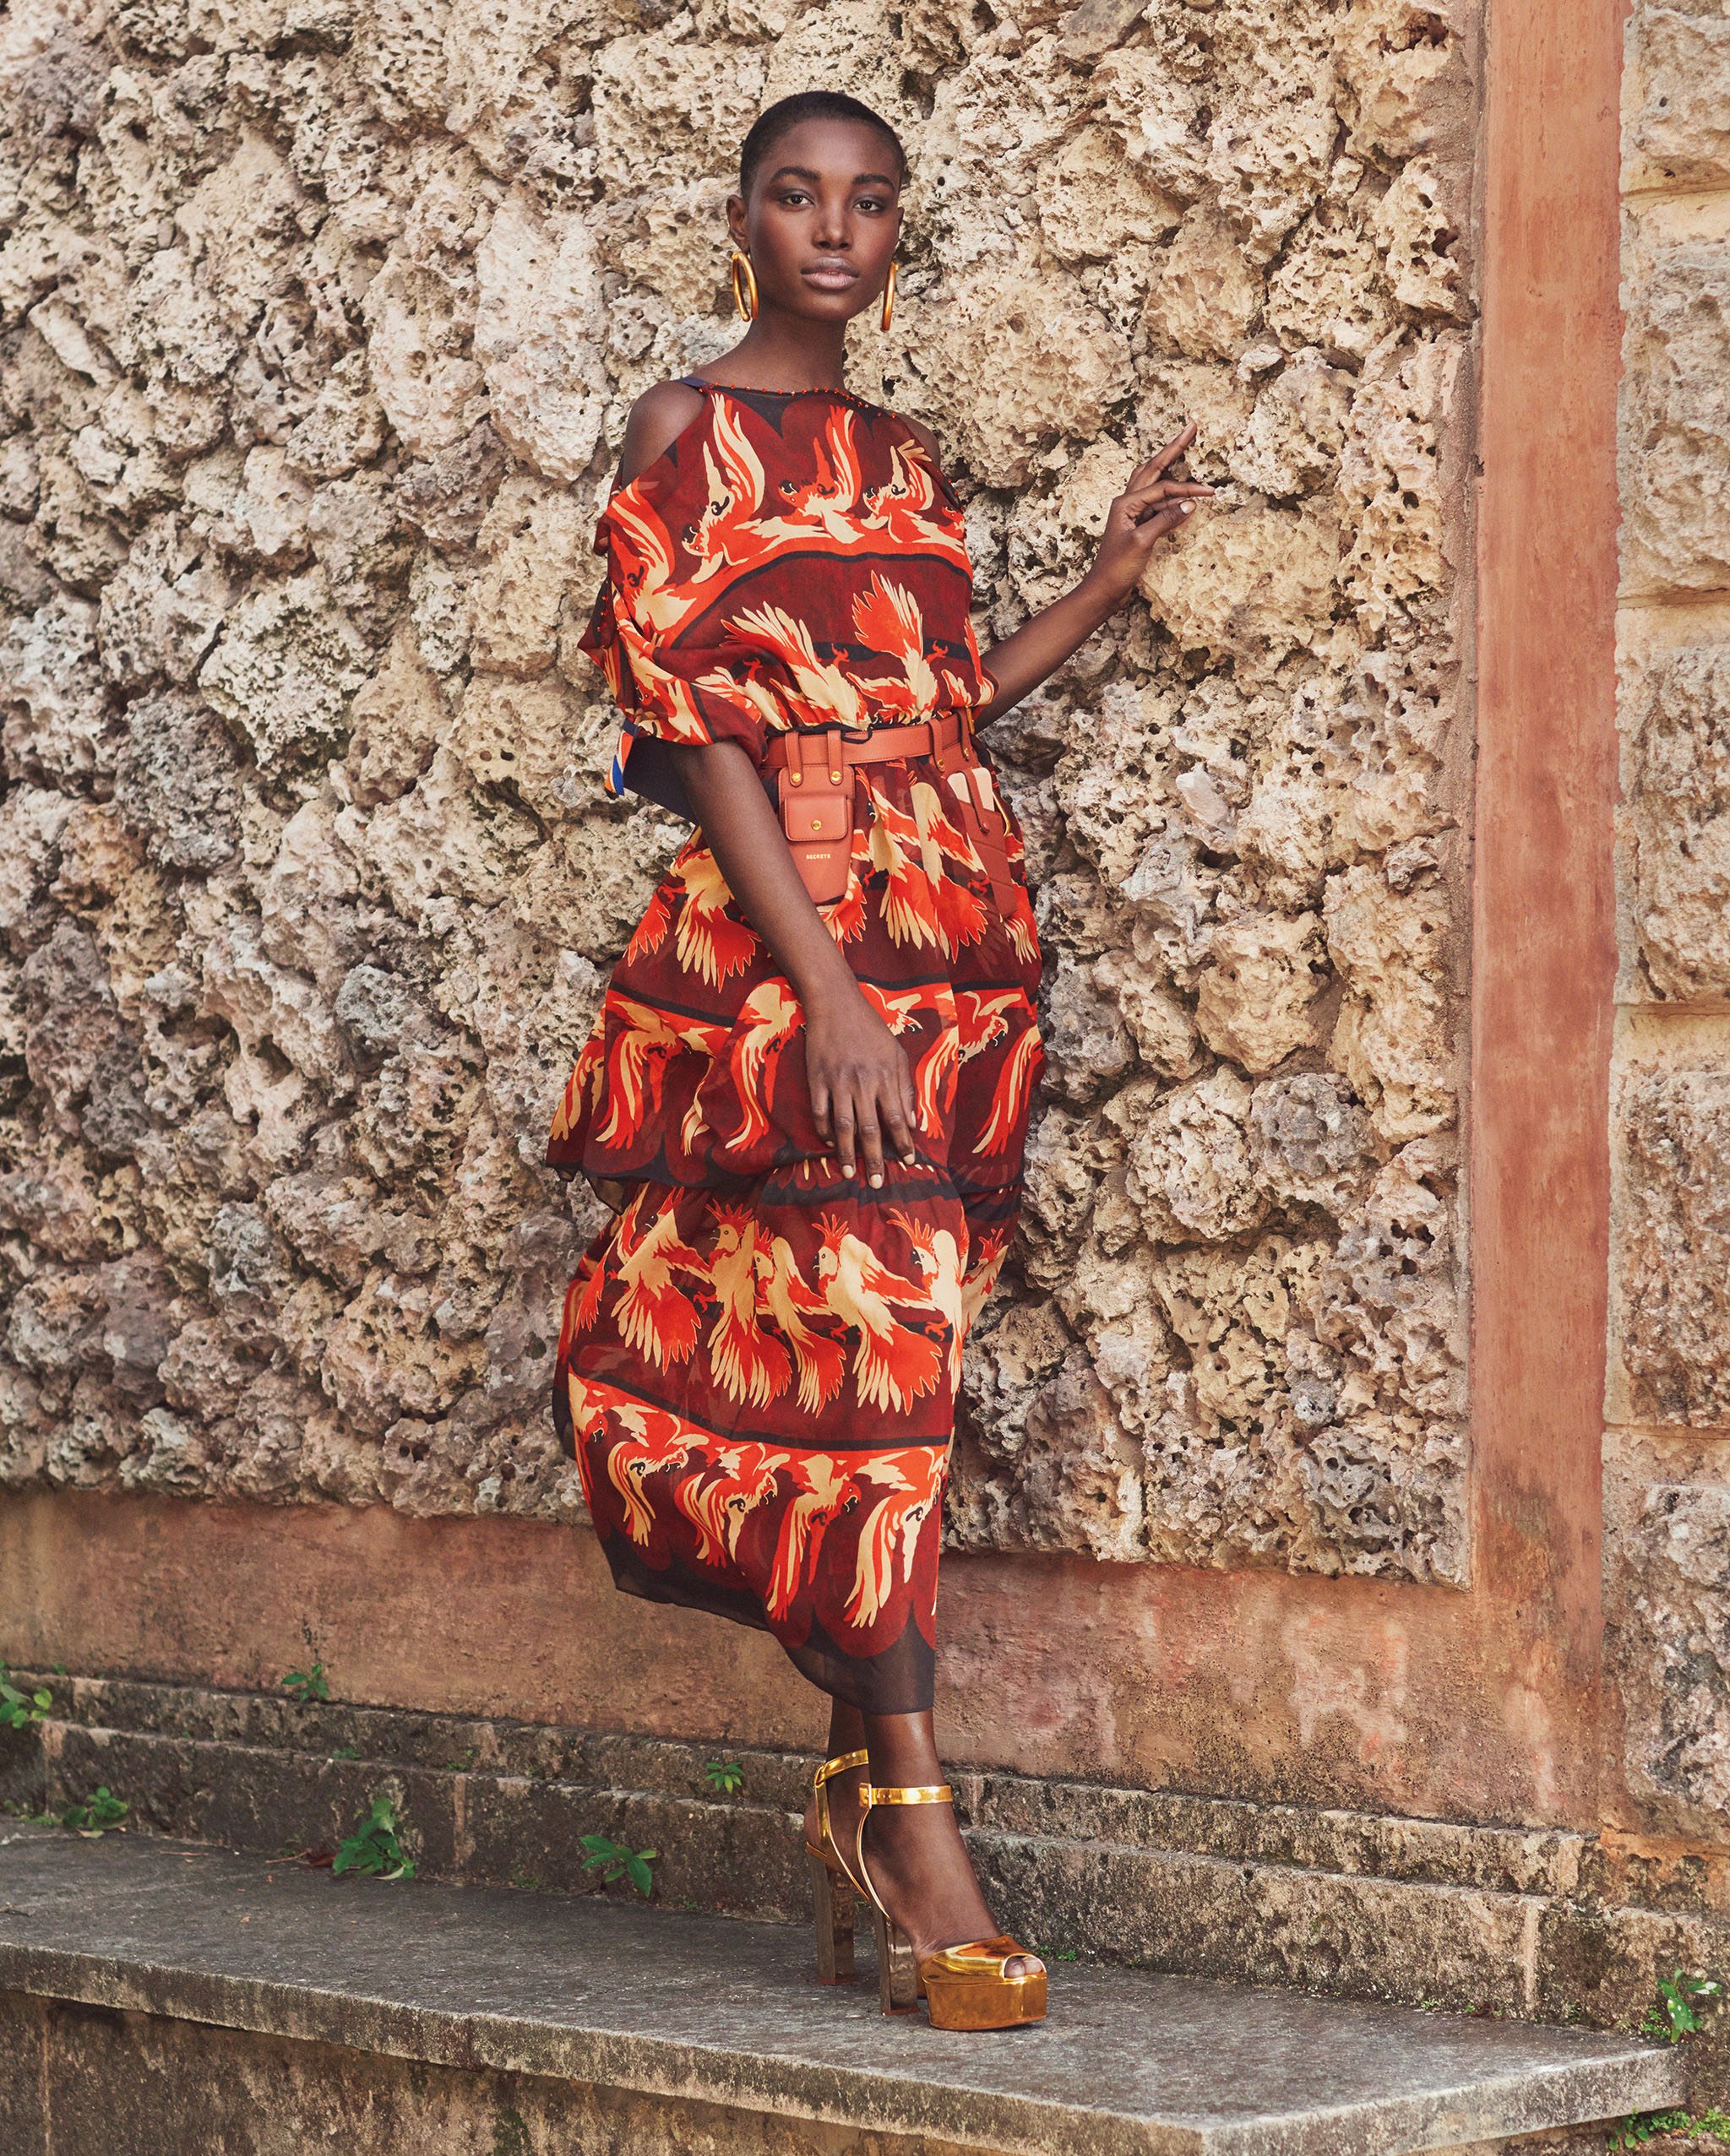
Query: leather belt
[[816, 795]]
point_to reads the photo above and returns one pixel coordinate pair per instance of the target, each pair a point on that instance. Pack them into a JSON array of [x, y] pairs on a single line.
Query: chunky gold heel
[[832, 1907], [899, 1990], [832, 1888], [965, 1986]]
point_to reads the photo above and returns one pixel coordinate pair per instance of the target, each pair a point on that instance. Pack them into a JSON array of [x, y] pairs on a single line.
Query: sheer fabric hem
[[901, 1680]]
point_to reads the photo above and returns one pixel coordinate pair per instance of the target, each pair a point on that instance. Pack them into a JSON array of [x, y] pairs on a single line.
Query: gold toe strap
[[977, 1957]]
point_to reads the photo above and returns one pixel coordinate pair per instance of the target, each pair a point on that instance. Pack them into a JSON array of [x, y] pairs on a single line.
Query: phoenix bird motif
[[913, 1482], [894, 1363], [759, 1358]]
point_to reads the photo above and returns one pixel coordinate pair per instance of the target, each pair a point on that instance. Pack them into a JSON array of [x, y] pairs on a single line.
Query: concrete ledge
[[614, 1995], [1505, 1920]]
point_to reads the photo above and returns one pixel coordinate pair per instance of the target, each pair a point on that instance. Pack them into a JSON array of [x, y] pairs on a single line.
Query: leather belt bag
[[814, 767]]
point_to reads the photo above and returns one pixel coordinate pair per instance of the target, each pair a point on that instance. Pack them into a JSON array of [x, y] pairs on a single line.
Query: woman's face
[[822, 220]]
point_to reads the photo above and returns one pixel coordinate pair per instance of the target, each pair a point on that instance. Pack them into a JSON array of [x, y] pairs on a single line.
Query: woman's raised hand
[[861, 1083], [1149, 507]]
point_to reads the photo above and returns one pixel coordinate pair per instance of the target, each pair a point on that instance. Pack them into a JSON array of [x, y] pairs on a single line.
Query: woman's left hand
[[1149, 507]]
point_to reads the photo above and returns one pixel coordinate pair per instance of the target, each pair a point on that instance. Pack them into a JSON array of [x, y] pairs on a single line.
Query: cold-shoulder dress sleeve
[[659, 630]]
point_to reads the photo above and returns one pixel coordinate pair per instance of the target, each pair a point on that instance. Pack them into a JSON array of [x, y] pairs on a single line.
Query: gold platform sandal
[[963, 1986], [832, 1884]]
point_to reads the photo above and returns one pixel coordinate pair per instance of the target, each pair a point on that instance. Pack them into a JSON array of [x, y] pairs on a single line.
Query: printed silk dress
[[759, 1358]]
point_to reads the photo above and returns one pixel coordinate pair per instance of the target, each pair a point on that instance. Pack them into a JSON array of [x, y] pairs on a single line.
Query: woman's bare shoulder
[[923, 435], [655, 422]]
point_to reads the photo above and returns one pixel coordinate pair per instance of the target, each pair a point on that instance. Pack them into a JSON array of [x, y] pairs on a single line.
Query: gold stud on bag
[[744, 286]]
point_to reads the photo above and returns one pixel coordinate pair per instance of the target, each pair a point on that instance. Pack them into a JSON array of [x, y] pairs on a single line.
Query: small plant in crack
[[100, 1809], [21, 1709], [1687, 2000], [307, 1685], [616, 1861], [373, 1849], [1681, 2009]]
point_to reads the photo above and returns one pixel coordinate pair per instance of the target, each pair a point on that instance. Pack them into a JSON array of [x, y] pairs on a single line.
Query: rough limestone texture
[[319, 320], [1676, 97], [1675, 822], [1675, 414], [1668, 1479], [1669, 1578], [1674, 1246]]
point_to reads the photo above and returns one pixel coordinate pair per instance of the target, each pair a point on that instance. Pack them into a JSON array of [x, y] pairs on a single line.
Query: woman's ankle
[[903, 1750], [925, 1876], [846, 1729]]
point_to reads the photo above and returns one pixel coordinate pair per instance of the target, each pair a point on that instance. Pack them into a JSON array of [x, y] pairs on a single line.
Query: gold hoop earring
[[888, 294], [745, 291]]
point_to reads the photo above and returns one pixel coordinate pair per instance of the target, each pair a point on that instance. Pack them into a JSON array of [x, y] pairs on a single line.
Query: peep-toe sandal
[[964, 1986]]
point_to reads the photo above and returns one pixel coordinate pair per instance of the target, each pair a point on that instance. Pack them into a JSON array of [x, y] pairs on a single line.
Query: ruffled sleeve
[[657, 642]]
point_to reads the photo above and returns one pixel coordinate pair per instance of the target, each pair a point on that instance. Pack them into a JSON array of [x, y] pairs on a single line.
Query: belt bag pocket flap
[[807, 815], [817, 811]]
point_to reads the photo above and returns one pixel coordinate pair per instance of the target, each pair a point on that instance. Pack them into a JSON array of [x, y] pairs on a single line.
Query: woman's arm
[[861, 1082], [1148, 507]]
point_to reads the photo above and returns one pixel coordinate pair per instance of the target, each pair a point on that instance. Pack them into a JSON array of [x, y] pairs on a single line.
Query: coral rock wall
[[1667, 1465], [318, 323]]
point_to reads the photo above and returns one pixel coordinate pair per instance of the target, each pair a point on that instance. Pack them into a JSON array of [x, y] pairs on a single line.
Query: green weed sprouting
[[20, 1710], [373, 1849], [99, 1812], [617, 1862], [1684, 2003], [727, 1775], [1681, 2007], [303, 1686], [1648, 2126]]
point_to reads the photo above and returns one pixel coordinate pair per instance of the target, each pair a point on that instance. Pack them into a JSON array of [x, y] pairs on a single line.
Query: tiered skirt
[[759, 1358]]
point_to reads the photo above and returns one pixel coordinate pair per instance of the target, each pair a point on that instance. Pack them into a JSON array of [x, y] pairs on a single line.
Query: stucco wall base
[[1373, 1695]]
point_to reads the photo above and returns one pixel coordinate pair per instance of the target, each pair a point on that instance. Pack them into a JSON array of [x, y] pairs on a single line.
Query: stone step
[[1526, 1921], [176, 1994]]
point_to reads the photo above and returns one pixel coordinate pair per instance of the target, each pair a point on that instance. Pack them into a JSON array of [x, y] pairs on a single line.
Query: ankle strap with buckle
[[825, 1773]]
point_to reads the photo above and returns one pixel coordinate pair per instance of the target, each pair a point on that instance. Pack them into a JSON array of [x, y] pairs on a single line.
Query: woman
[[806, 1092]]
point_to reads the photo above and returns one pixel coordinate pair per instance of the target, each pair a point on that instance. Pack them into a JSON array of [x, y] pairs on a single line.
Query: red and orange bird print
[[802, 1315], [653, 1313], [748, 1361], [824, 1482], [912, 1482], [759, 1358], [939, 1257], [770, 1019], [892, 1362]]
